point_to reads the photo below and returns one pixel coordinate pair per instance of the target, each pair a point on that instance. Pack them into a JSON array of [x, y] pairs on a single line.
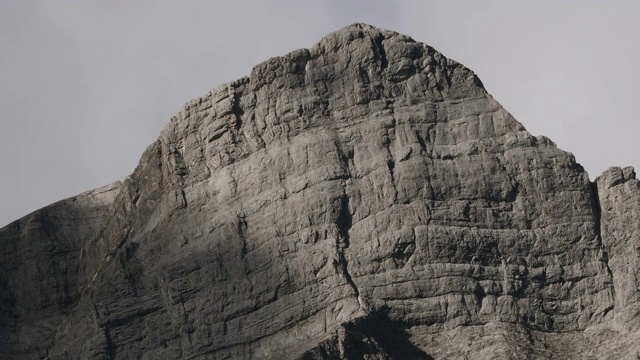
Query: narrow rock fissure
[[237, 110], [128, 319], [382, 53], [344, 223], [597, 213], [379, 51], [111, 347], [183, 198], [181, 167], [242, 230], [423, 145], [391, 166], [182, 170]]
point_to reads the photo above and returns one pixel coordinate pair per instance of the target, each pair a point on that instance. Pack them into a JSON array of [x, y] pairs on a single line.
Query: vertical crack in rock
[[423, 145], [391, 163], [111, 346], [235, 92], [344, 223], [384, 62], [597, 213], [181, 166], [237, 110], [242, 230], [379, 51], [184, 198], [182, 171]]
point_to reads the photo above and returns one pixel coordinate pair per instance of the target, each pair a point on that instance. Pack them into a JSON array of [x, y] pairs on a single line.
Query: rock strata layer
[[365, 198]]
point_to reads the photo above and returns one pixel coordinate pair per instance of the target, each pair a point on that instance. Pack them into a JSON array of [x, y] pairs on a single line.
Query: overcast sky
[[86, 86]]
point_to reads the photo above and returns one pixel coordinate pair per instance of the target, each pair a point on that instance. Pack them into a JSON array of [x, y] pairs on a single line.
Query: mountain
[[365, 198]]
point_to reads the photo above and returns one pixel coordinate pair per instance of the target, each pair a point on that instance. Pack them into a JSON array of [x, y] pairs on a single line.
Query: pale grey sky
[[86, 86]]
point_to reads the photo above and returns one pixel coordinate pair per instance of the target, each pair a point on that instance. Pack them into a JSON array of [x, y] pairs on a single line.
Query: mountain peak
[[362, 198], [370, 30]]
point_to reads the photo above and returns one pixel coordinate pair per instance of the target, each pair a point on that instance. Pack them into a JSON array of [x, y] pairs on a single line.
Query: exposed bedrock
[[363, 198]]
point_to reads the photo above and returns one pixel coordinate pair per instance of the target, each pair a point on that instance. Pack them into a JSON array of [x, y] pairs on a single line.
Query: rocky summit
[[365, 198]]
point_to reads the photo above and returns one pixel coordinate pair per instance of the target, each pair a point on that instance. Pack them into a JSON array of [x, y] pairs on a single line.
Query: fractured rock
[[363, 198]]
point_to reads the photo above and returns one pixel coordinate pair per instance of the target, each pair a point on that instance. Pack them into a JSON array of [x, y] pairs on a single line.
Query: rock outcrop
[[365, 198]]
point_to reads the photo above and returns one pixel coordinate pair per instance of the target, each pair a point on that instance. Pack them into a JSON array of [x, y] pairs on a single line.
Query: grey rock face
[[619, 192], [365, 198], [39, 261]]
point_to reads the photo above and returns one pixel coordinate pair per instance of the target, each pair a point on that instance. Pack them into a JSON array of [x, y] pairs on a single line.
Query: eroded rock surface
[[365, 198], [39, 261]]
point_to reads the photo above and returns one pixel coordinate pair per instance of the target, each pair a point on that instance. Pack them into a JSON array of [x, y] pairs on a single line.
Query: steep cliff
[[363, 198]]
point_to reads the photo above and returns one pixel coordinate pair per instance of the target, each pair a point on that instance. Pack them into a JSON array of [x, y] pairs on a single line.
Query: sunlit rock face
[[365, 198]]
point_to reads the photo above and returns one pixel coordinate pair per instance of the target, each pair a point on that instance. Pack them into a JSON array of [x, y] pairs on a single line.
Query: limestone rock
[[39, 260], [365, 198], [619, 193]]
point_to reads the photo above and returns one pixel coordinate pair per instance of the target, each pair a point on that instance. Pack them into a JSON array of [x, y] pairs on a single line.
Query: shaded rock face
[[365, 198], [39, 261]]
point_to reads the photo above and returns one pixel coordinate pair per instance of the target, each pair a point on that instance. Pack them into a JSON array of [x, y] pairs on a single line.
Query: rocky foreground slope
[[365, 198]]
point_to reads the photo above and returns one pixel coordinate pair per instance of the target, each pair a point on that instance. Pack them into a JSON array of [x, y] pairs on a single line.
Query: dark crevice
[[184, 198], [135, 199], [242, 232], [237, 110], [122, 241], [391, 165], [379, 52], [383, 54], [182, 171], [219, 134], [342, 266], [423, 145], [131, 280], [127, 319], [607, 310], [111, 347], [513, 193], [180, 165], [363, 75], [374, 336], [402, 253], [344, 223]]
